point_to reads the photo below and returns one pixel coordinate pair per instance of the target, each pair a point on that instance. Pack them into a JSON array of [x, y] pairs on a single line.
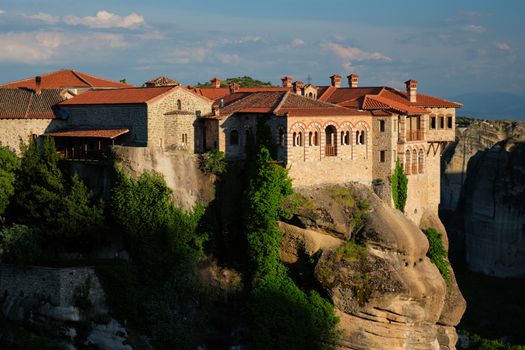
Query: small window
[[179, 105], [432, 122], [184, 139], [234, 137], [441, 124], [449, 122], [310, 138], [382, 156], [382, 126], [198, 114]]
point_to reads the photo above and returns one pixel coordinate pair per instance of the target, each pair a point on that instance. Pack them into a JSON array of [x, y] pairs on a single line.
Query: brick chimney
[[353, 80], [336, 80], [233, 87], [287, 81], [38, 84], [215, 82], [411, 90], [298, 87]]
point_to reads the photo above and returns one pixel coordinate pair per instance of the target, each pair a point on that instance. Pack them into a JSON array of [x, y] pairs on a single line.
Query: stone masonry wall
[[134, 117], [167, 123], [12, 131], [58, 285]]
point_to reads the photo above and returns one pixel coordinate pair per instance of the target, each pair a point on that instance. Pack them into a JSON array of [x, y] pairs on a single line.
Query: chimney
[[353, 80], [287, 81], [411, 90], [233, 87], [298, 87], [336, 80], [215, 82], [38, 84]]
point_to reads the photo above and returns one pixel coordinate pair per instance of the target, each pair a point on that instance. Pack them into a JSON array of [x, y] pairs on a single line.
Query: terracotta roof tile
[[90, 133], [67, 78], [25, 103], [119, 96]]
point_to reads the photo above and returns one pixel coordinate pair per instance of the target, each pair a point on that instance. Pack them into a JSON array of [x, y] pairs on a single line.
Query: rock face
[[482, 187], [387, 293]]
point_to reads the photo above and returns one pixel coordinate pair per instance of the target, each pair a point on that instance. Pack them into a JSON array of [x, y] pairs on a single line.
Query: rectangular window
[[449, 122], [381, 125], [432, 122], [382, 156], [441, 122]]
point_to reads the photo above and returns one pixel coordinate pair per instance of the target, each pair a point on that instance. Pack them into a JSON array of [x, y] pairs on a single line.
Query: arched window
[[331, 141], [310, 138], [347, 137], [234, 137], [362, 137], [311, 94], [420, 159], [179, 105], [414, 162], [297, 139], [342, 138], [407, 162], [357, 137], [316, 138]]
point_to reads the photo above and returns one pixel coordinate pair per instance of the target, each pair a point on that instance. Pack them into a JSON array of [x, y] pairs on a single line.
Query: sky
[[450, 47]]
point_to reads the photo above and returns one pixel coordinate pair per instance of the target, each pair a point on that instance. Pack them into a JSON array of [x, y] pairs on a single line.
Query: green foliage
[[160, 234], [213, 162], [343, 196], [437, 253], [244, 81], [9, 164], [19, 245], [463, 121], [399, 183], [351, 252], [477, 342], [59, 207], [282, 315]]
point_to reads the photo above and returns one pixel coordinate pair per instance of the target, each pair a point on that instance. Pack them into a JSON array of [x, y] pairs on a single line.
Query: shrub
[[213, 162], [351, 252], [437, 253], [399, 183], [343, 196], [19, 244], [9, 164]]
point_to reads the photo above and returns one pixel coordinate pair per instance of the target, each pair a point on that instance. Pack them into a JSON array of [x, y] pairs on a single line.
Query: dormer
[[310, 91]]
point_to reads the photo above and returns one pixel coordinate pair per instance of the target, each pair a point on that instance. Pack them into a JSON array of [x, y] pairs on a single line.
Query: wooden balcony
[[414, 135], [330, 151]]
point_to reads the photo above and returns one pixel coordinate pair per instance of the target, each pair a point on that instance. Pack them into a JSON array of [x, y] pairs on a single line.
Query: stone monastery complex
[[324, 134]]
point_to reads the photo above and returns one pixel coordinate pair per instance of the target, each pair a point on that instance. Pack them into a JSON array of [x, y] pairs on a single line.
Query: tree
[[399, 183], [9, 164], [244, 81], [59, 207], [19, 245]]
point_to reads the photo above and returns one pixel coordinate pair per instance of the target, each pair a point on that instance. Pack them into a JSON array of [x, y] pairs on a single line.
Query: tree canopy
[[9, 164], [244, 81]]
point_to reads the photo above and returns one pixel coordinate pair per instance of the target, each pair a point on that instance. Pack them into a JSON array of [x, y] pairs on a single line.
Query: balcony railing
[[414, 135], [330, 151], [81, 154]]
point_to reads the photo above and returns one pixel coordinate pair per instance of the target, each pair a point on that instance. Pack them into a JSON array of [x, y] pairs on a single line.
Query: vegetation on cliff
[[399, 183], [244, 81], [9, 164], [438, 254]]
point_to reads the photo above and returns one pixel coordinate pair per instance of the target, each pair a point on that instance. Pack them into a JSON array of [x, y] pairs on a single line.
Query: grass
[[343, 196], [351, 252]]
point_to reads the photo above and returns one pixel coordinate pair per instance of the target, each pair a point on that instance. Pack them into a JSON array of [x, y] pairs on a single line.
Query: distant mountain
[[492, 105]]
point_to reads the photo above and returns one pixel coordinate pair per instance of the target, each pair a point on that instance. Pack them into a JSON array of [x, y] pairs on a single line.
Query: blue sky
[[450, 47]]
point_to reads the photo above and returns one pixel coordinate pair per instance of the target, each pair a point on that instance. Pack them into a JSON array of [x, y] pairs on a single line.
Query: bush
[[19, 244], [437, 253], [399, 183], [213, 162], [9, 164]]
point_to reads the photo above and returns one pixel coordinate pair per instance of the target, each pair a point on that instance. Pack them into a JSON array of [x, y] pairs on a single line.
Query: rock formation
[[482, 186], [387, 293]]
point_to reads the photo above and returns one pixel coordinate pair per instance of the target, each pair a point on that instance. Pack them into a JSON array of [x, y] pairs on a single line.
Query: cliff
[[482, 188], [386, 291]]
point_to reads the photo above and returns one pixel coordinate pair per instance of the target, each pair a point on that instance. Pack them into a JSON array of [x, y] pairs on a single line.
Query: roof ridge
[[81, 78], [283, 99]]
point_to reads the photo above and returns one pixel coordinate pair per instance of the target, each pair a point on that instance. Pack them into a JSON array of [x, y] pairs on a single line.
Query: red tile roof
[[283, 103], [119, 96], [90, 133], [22, 103], [216, 93], [67, 78]]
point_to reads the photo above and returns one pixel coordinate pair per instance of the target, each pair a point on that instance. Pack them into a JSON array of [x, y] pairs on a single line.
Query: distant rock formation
[[483, 183], [389, 295]]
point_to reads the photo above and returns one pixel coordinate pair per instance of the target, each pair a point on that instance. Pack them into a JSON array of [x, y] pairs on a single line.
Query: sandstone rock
[[109, 337], [392, 296], [60, 313]]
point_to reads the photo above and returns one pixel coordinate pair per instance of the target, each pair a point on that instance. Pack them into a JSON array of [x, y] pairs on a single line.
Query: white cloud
[[2, 12], [105, 19], [475, 28], [44, 17], [354, 53], [50, 46], [227, 58], [187, 55], [503, 46], [297, 42]]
